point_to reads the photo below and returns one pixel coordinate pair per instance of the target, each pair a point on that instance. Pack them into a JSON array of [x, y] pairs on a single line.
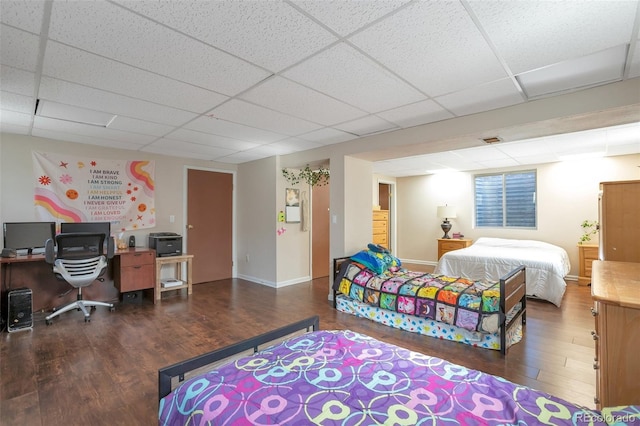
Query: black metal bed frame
[[512, 292], [166, 374]]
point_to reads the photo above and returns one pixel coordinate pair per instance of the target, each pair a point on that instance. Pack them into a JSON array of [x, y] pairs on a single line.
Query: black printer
[[166, 243]]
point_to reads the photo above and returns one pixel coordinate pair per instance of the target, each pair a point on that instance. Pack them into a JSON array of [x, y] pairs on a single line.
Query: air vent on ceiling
[[493, 139]]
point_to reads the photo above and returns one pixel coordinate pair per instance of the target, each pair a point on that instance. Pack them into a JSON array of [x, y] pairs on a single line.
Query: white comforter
[[492, 258]]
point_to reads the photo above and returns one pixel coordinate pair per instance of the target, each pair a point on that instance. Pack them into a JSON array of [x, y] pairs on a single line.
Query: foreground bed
[[346, 378], [491, 258], [483, 314]]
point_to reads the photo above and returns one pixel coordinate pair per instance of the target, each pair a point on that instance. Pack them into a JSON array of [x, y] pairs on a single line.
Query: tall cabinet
[[620, 221]]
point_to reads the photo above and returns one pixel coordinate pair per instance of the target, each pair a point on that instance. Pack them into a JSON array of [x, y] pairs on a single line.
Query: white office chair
[[79, 259]]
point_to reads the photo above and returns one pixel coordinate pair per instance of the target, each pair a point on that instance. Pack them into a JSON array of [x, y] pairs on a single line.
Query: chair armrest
[[110, 247], [49, 251]]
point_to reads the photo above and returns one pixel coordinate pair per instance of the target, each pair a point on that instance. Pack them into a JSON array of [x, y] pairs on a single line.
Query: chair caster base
[[48, 322], [87, 319], [112, 309]]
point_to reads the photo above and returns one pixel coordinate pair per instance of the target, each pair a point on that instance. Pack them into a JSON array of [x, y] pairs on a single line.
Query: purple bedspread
[[346, 378]]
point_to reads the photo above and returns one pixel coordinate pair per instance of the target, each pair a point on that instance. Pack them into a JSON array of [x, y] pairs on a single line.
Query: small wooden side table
[[178, 261]]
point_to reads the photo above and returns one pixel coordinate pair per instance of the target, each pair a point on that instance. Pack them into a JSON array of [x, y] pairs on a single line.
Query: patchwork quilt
[[465, 303]]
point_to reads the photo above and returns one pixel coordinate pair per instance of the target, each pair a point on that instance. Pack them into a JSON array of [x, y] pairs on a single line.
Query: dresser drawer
[[380, 239], [381, 215], [134, 278]]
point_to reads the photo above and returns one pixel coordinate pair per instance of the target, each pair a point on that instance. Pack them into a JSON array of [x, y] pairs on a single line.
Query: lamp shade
[[446, 212]]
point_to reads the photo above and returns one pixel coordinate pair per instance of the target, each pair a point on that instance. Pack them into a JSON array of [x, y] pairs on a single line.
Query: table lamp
[[446, 212]]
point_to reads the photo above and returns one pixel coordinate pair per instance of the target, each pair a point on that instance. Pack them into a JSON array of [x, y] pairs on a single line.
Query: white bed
[[490, 258]]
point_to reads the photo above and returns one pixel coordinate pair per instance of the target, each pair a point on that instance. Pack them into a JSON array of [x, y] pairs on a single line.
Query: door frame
[[392, 214], [185, 185]]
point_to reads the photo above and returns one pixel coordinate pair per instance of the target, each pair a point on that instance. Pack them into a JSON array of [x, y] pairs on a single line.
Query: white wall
[[567, 195], [16, 179]]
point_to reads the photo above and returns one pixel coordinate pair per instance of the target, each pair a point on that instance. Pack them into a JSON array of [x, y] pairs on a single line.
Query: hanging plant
[[318, 177]]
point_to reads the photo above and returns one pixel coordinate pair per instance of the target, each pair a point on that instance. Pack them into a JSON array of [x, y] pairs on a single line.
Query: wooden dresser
[[615, 288], [134, 269], [587, 253], [450, 244], [381, 227]]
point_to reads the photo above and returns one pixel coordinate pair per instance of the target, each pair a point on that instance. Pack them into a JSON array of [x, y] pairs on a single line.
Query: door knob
[[189, 226]]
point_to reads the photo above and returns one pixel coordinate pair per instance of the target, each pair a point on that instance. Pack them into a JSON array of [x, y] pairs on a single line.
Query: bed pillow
[[377, 262]]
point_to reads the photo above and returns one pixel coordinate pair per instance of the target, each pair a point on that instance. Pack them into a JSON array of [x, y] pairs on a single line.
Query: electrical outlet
[[247, 257], [172, 218]]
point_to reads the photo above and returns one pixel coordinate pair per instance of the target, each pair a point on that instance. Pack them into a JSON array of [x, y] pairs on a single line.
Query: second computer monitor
[[92, 227]]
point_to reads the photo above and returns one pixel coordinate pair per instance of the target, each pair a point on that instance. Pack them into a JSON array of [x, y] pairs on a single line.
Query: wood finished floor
[[105, 372]]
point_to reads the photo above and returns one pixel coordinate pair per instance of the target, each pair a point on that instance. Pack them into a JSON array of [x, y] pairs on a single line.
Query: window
[[506, 200]]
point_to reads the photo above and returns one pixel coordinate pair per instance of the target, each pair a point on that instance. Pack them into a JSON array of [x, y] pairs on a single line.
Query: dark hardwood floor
[[105, 371]]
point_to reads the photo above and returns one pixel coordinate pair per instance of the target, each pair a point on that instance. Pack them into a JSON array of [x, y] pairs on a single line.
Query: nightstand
[[450, 244], [587, 253]]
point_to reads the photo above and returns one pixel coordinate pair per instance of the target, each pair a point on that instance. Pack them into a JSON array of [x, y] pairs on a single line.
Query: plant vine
[[589, 228], [318, 177]]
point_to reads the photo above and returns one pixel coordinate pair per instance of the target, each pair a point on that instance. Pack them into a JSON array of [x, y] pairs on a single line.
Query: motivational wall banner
[[74, 189]]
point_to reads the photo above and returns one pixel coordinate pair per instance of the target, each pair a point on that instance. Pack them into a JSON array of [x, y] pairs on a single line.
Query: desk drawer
[[134, 278], [137, 259]]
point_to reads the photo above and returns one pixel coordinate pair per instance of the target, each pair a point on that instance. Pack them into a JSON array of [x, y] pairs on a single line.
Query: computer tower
[[19, 310]]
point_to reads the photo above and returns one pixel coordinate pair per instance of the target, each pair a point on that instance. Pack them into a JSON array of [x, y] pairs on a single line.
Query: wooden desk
[[178, 261]]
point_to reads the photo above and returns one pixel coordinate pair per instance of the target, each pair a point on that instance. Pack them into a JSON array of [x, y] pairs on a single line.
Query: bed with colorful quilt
[[372, 284], [341, 377]]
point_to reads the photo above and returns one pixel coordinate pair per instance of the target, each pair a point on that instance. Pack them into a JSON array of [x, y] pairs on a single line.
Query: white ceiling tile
[[524, 148], [291, 98], [44, 123], [365, 126], [66, 63], [538, 158], [598, 68], [624, 149], [357, 80], [533, 34], [482, 153], [271, 34], [211, 124], [15, 118], [250, 155], [74, 114], [262, 118], [433, 45], [134, 125], [490, 96], [73, 94], [416, 114], [83, 139], [327, 136], [345, 17], [497, 163], [167, 145], [26, 15], [211, 140], [110, 31], [623, 134], [295, 145], [13, 128], [17, 103], [17, 81], [18, 48]]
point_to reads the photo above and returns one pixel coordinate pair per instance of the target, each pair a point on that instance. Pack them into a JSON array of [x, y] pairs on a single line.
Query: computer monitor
[[92, 227], [27, 235]]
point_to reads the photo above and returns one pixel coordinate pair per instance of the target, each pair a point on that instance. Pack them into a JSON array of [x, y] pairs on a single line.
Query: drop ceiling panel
[[213, 125], [533, 34], [416, 114], [19, 49], [345, 17], [624, 149], [66, 63], [107, 30], [327, 136], [14, 80], [495, 164], [100, 100], [418, 44], [482, 153], [44, 123], [493, 95], [166, 145], [14, 118], [634, 69], [263, 118], [83, 139], [291, 98], [211, 140], [133, 125], [271, 34], [26, 15], [366, 125], [295, 145], [13, 128], [17, 103], [346, 74], [600, 67]]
